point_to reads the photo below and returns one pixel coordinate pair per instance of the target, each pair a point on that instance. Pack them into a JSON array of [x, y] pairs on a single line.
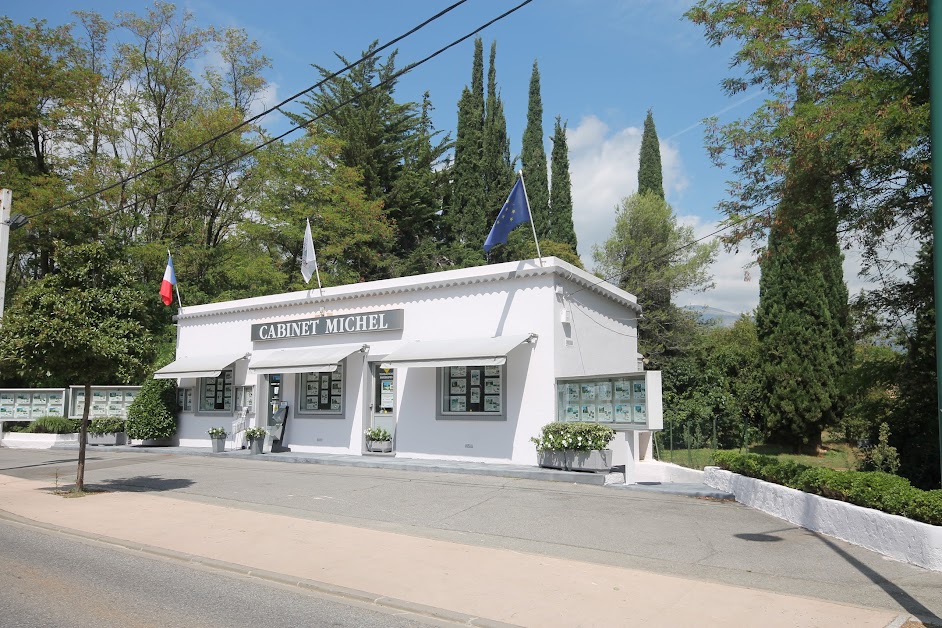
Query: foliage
[[880, 491], [53, 424], [217, 432], [533, 159], [802, 319], [561, 226], [152, 414], [255, 433], [576, 436], [377, 434], [870, 386], [498, 168], [107, 425], [882, 456], [467, 219], [650, 178], [653, 257], [711, 388]]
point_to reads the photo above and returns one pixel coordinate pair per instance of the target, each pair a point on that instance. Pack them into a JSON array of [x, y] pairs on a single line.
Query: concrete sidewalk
[[476, 585]]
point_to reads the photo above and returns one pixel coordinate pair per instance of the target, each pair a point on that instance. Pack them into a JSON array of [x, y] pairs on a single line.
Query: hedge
[[870, 489]]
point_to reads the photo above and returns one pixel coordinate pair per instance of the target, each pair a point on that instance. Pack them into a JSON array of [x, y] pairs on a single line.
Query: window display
[[605, 400], [321, 392], [472, 389], [217, 392]]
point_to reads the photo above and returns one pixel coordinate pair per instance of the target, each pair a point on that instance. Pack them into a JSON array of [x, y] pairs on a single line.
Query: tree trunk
[[83, 440]]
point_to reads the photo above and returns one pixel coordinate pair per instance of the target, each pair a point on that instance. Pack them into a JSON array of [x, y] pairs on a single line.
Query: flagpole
[[175, 287], [532, 222]]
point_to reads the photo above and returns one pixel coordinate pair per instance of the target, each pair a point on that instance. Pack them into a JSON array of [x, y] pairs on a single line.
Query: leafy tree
[[561, 191], [533, 157], [153, 413], [498, 167], [649, 161], [87, 323], [802, 316], [653, 257], [466, 217]]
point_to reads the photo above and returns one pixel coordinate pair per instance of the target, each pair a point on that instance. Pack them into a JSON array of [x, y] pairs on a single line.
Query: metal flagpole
[[179, 302], [532, 225]]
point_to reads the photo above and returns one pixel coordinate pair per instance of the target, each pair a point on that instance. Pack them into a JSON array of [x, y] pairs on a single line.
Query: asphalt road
[[49, 580], [717, 541]]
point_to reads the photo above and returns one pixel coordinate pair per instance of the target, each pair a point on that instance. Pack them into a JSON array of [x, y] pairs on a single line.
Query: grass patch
[[834, 455]]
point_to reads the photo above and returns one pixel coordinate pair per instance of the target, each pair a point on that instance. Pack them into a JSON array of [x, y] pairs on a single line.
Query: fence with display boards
[[28, 404], [624, 401]]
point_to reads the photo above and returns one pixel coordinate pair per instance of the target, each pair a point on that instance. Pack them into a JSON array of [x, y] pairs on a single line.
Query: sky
[[602, 66]]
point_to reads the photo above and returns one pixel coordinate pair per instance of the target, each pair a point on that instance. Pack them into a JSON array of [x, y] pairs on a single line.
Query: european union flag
[[516, 210]]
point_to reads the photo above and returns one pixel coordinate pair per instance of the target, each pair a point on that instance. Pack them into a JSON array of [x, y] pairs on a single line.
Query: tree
[[87, 323], [649, 161], [533, 157], [467, 217], [561, 191], [805, 346], [498, 167], [653, 257]]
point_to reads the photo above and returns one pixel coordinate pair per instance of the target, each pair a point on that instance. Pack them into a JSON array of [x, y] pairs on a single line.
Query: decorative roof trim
[[402, 285]]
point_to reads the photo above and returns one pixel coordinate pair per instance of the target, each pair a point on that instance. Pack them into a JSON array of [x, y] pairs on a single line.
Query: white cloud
[[265, 99], [604, 170]]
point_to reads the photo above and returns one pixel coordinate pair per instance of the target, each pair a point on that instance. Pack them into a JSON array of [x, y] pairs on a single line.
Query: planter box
[[596, 460], [115, 438], [255, 445], [219, 445], [891, 535], [379, 446], [25, 440]]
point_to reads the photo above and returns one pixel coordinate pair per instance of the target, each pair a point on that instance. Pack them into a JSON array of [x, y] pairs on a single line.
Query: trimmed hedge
[[577, 436], [152, 414], [870, 489], [53, 424]]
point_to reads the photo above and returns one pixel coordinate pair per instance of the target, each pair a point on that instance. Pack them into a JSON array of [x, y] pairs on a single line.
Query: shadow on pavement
[[142, 484], [46, 463]]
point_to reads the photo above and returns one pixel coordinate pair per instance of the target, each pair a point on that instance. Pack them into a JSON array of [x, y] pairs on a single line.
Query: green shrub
[[54, 424], [254, 433], [109, 425], [152, 414], [577, 436], [880, 457], [16, 427], [871, 489]]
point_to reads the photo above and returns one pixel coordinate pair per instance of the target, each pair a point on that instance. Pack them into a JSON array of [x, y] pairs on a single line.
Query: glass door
[[384, 399]]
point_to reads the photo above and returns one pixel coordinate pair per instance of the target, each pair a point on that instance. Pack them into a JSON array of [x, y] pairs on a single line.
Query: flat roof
[[417, 283]]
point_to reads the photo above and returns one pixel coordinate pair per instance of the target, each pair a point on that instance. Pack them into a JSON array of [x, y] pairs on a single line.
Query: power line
[[310, 121], [255, 118]]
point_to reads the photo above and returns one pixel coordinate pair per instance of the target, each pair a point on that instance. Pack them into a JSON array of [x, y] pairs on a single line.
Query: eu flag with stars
[[516, 210]]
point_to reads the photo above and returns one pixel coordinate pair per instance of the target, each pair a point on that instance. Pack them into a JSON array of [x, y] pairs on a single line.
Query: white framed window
[[185, 399], [321, 393], [472, 392], [216, 393], [245, 398]]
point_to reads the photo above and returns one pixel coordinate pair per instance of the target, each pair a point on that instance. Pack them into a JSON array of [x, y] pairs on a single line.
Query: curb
[[314, 586]]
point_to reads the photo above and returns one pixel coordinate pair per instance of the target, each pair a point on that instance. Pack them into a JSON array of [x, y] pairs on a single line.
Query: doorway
[[383, 407]]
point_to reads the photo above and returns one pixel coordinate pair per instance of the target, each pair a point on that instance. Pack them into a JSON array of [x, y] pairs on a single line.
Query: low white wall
[[657, 471], [23, 440], [891, 535]]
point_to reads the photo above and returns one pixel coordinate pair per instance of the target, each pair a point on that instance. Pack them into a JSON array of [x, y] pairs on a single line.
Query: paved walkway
[[476, 585]]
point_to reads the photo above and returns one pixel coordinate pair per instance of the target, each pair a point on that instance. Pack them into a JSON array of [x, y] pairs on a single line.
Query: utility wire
[[310, 121], [255, 118]]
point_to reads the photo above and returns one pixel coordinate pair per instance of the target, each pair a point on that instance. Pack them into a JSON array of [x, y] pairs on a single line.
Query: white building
[[463, 365]]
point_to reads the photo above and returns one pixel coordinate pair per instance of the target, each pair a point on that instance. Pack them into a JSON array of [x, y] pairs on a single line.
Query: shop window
[[469, 391], [185, 399], [245, 398], [619, 400], [216, 392], [321, 393]]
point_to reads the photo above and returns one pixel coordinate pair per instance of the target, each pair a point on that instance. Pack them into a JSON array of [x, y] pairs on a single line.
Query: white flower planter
[[114, 438], [891, 535], [379, 446], [595, 460]]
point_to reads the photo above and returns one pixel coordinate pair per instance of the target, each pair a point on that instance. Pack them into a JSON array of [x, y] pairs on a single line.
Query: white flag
[[309, 258]]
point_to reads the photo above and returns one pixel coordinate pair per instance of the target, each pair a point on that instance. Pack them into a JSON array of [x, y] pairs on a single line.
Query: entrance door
[[384, 399], [274, 397]]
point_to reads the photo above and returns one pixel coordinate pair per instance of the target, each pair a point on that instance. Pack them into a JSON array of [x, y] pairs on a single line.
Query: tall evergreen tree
[[533, 157], [468, 194], [498, 168], [561, 190], [649, 163], [801, 322]]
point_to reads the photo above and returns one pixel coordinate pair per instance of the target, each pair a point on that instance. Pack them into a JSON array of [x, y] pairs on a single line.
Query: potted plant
[[378, 440], [256, 438], [575, 446], [218, 436]]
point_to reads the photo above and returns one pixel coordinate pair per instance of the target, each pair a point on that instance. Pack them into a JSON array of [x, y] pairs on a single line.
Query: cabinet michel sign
[[384, 320]]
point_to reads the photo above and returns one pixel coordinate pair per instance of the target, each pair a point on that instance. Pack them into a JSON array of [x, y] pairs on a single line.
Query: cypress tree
[[561, 190], [649, 162], [533, 157], [468, 193], [801, 322], [498, 169]]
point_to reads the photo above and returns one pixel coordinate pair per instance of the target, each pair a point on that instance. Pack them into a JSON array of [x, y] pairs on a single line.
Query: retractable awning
[[199, 366], [457, 352], [309, 360]]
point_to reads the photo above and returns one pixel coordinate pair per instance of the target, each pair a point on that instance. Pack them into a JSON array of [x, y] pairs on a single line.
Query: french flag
[[170, 280]]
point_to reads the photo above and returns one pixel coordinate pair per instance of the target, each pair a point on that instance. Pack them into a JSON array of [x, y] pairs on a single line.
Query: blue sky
[[602, 66]]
